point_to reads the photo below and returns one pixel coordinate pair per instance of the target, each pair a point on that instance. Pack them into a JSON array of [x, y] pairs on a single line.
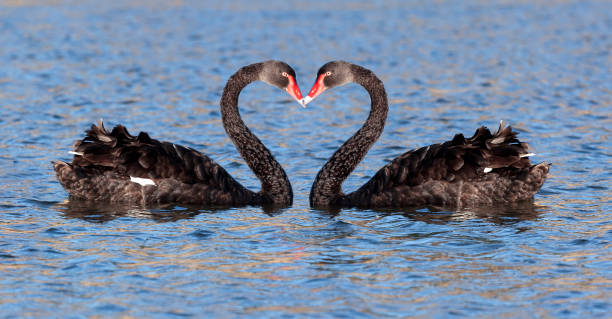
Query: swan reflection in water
[[506, 214], [101, 212]]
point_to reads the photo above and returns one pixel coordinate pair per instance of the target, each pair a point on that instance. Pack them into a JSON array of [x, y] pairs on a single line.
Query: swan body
[[116, 166], [485, 169]]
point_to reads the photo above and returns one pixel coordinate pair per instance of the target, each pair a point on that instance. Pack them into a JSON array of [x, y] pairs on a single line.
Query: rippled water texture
[[545, 67]]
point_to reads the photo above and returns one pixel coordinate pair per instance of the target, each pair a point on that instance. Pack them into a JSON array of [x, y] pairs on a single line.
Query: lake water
[[544, 67]]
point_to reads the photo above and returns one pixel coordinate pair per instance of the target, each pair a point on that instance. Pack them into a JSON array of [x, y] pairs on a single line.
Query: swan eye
[[285, 74], [328, 73]]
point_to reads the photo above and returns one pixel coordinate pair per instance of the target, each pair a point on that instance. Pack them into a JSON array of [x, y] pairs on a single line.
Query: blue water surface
[[448, 66]]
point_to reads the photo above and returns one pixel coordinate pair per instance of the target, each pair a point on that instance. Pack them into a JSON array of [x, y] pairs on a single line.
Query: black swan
[[484, 169], [119, 167]]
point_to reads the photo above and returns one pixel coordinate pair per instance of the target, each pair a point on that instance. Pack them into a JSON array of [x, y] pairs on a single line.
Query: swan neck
[[327, 188], [275, 186]]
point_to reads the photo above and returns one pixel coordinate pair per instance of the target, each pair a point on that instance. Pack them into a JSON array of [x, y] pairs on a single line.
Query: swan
[[118, 167], [485, 169]]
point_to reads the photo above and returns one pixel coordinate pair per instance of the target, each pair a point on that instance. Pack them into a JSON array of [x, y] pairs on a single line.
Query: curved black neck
[[275, 186], [327, 186]]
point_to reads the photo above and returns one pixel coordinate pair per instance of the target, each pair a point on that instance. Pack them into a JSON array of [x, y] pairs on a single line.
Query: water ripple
[[448, 68]]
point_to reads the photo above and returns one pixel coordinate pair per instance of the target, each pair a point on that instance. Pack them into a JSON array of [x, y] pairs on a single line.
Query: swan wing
[[146, 160]]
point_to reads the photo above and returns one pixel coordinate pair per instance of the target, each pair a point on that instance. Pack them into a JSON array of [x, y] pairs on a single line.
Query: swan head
[[281, 75], [330, 75]]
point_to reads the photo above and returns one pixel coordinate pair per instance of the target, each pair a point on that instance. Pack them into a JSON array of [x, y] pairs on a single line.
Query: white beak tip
[[306, 100]]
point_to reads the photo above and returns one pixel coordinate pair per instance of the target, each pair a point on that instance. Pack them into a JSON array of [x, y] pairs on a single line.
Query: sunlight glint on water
[[447, 67]]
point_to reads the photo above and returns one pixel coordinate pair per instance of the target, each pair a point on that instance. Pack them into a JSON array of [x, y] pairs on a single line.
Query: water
[[448, 67]]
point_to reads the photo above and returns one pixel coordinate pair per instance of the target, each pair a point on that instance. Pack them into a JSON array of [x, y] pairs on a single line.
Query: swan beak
[[294, 90], [317, 89]]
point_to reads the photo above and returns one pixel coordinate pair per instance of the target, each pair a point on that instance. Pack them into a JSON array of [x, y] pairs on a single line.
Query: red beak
[[317, 89], [294, 90]]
